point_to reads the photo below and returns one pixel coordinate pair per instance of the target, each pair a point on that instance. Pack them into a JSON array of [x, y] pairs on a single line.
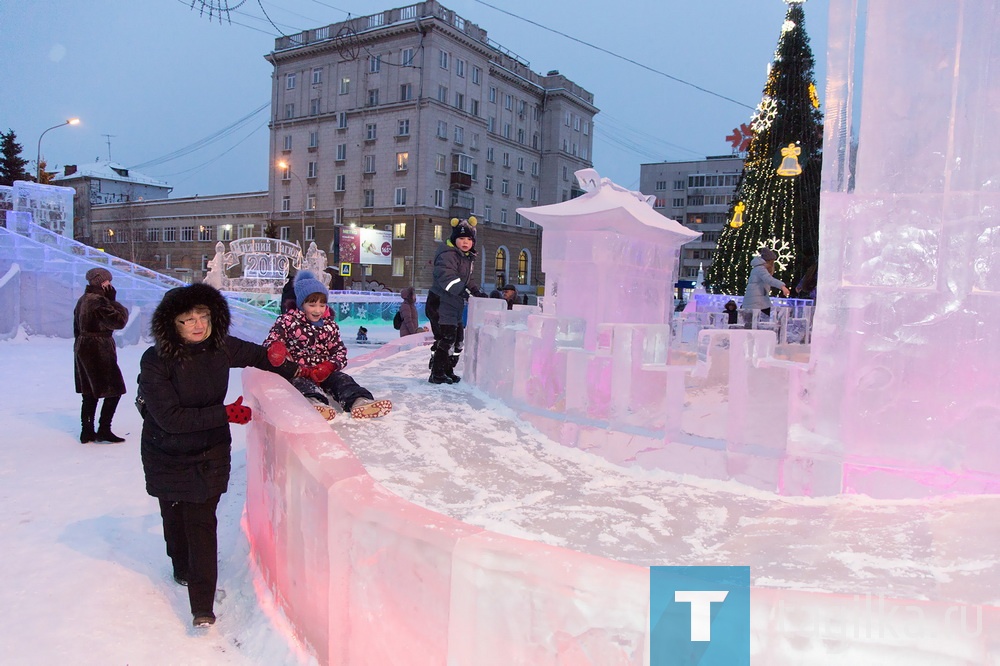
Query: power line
[[203, 142], [217, 157], [620, 57]]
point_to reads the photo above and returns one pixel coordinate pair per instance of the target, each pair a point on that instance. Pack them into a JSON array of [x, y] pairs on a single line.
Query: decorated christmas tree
[[777, 196]]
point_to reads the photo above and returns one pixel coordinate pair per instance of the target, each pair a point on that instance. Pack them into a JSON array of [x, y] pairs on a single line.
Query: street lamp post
[[38, 153], [302, 186]]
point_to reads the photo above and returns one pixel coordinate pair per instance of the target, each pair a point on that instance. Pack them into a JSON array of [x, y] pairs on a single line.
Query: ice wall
[[906, 342], [366, 577]]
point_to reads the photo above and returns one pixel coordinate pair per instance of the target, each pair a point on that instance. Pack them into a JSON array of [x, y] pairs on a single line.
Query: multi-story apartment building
[[406, 118], [697, 194]]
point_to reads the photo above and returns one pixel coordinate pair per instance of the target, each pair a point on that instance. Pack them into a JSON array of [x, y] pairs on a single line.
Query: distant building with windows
[[104, 183], [177, 237], [696, 193], [408, 117]]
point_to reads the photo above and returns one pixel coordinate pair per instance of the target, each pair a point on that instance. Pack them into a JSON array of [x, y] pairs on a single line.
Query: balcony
[[460, 181]]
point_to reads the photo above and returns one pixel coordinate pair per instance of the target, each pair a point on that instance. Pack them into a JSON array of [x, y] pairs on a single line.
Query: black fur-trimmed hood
[[176, 302]]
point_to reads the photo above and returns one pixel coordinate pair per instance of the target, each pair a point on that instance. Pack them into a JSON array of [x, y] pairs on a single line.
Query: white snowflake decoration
[[788, 26], [765, 114], [784, 250]]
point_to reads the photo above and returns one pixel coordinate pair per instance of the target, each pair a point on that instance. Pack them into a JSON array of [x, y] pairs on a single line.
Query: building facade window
[[317, 76], [399, 230], [403, 129], [369, 201], [290, 81], [286, 205], [400, 198], [341, 152], [398, 266], [345, 85], [340, 183], [374, 64], [310, 232], [371, 131], [406, 57], [402, 161], [369, 164], [284, 233], [439, 198]]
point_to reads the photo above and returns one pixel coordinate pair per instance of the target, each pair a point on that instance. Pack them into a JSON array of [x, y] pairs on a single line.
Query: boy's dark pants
[[191, 532]]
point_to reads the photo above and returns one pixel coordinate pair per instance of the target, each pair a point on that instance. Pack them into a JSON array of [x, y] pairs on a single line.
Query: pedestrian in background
[[95, 358], [758, 292], [408, 312]]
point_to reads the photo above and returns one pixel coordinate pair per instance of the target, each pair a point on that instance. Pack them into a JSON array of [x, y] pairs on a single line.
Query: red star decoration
[[740, 138]]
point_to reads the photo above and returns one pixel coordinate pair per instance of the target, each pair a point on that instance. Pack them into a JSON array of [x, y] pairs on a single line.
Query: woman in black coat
[[95, 359], [183, 381]]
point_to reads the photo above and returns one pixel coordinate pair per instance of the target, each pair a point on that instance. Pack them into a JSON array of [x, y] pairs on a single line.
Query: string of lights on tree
[[776, 204]]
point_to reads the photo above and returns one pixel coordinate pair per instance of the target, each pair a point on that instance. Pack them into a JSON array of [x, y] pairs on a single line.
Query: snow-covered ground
[[87, 580]]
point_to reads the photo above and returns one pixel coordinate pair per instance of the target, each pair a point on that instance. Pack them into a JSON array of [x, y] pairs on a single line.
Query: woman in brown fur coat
[[96, 316]]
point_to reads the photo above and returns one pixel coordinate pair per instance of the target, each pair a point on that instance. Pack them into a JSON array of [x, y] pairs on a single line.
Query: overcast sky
[[158, 76]]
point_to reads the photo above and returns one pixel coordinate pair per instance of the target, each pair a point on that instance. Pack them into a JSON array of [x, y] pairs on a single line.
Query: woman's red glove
[[277, 352], [237, 412]]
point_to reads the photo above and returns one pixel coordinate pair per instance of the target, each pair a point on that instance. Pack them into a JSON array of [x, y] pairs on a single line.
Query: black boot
[[450, 369], [87, 413], [104, 433], [441, 361]]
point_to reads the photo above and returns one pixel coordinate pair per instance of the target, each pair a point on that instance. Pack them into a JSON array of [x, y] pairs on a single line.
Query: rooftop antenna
[[109, 137]]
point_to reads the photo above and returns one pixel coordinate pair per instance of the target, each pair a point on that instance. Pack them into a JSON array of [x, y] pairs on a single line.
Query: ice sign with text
[[699, 615], [366, 246]]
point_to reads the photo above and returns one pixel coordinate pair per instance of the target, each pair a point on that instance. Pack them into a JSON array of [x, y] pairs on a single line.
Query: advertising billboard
[[365, 246]]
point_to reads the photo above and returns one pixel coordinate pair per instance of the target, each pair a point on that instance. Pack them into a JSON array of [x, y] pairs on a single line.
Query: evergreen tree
[[777, 204], [11, 164]]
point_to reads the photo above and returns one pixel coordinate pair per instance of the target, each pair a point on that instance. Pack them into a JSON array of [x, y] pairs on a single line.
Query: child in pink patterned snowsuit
[[309, 336]]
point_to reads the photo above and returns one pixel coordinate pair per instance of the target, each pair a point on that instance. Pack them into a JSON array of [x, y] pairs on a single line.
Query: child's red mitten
[[319, 373]]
